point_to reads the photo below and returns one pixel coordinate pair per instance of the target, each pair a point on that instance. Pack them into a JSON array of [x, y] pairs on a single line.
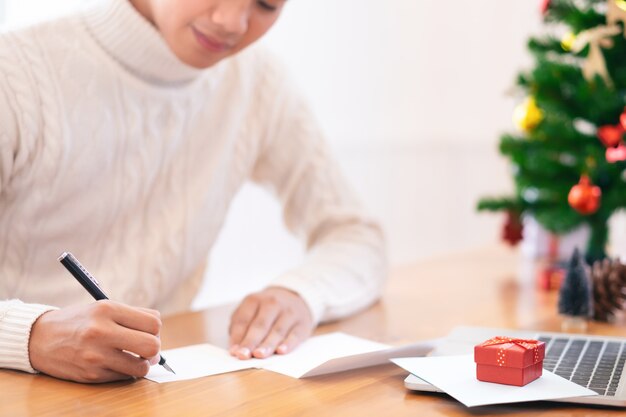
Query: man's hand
[[91, 343], [274, 320]]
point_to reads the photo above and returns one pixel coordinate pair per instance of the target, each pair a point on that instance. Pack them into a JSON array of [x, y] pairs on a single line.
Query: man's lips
[[210, 43]]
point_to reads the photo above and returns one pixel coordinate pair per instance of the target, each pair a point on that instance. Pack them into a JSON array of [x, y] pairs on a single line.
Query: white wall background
[[412, 95]]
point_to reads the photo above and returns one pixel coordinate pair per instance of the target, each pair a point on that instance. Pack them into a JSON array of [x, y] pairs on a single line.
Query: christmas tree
[[568, 156], [575, 293]]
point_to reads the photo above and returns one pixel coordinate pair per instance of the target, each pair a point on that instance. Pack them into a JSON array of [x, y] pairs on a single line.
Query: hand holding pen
[[90, 343], [93, 286]]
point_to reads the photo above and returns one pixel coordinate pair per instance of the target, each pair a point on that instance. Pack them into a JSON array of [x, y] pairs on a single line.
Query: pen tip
[[166, 366]]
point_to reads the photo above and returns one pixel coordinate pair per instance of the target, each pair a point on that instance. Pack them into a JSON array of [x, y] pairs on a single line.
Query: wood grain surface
[[486, 287]]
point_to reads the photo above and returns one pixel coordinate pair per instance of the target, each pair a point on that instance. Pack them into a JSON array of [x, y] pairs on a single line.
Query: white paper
[[373, 358], [333, 352], [317, 351], [456, 376], [194, 362]]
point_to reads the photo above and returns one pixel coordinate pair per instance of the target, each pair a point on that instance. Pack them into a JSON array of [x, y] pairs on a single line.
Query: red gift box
[[510, 361]]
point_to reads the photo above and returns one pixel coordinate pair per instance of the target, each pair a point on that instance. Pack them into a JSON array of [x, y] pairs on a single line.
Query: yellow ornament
[[527, 115], [568, 41]]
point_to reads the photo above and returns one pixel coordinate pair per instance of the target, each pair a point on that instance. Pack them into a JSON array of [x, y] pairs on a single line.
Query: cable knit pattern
[[16, 320], [113, 149]]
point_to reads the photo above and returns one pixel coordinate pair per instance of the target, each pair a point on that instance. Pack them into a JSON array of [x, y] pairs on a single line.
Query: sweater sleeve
[[345, 266], [16, 318], [16, 321]]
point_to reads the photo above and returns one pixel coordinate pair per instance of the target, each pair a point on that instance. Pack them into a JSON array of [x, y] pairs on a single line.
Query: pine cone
[[608, 278]]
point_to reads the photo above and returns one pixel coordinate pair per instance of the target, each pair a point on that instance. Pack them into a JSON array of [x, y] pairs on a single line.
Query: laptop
[[595, 362]]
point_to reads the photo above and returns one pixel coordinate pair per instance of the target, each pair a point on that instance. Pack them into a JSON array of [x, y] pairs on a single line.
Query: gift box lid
[[509, 352]]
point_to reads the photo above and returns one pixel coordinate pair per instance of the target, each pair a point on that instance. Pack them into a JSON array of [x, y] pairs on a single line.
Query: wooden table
[[485, 287]]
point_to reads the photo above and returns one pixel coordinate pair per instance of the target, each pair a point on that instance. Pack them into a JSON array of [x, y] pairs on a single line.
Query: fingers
[[144, 320], [270, 321], [258, 329], [134, 329], [297, 335], [127, 364], [241, 319], [157, 357], [106, 364], [143, 344], [277, 334], [155, 313]]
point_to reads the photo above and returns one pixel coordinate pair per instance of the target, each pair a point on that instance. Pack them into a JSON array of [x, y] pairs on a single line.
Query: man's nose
[[231, 16]]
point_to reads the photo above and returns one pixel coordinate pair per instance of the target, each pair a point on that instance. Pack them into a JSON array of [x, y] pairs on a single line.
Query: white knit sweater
[[113, 149]]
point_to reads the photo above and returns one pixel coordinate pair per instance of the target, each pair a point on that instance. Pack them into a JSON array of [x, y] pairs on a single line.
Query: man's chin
[[200, 62], [196, 58]]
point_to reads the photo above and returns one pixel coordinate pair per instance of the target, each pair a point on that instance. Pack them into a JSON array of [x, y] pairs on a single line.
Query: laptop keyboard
[[594, 364]]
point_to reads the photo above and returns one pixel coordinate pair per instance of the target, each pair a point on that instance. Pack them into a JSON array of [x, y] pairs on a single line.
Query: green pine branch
[[549, 159], [577, 19]]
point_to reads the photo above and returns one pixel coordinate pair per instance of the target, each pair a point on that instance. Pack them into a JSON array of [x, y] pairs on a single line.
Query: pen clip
[[75, 261]]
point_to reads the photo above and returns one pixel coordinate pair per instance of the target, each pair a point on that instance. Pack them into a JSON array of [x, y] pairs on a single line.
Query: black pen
[[92, 286]]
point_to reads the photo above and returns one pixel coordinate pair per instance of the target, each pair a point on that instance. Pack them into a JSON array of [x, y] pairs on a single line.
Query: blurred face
[[203, 32]]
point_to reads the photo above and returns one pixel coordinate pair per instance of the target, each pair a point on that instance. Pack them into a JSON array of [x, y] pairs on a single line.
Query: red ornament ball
[[584, 197], [513, 229], [610, 135], [616, 154]]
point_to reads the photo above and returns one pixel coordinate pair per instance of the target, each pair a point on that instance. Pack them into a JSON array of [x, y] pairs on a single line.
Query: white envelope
[[456, 376]]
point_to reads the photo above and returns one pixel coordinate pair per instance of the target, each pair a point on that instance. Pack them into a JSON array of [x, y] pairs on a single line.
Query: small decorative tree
[[575, 297]]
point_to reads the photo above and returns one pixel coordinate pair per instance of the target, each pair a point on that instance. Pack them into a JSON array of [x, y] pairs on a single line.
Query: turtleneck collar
[[132, 40]]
